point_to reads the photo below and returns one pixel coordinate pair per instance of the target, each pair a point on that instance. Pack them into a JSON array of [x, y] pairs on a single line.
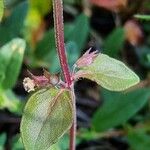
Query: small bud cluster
[[46, 79], [86, 59]]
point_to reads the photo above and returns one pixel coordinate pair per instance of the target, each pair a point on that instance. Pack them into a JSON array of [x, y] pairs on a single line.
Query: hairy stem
[[73, 128], [59, 36]]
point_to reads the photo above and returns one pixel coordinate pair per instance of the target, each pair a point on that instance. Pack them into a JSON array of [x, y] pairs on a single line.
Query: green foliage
[[17, 143], [80, 31], [143, 54], [47, 116], [138, 140], [43, 7], [75, 37], [119, 108], [10, 101], [11, 56], [11, 27], [2, 141], [114, 42], [1, 8], [110, 73], [70, 1], [142, 17]]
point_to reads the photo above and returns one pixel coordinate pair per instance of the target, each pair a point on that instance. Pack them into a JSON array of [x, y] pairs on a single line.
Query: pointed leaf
[[13, 24], [114, 42], [80, 31], [11, 56], [109, 73], [118, 108], [47, 116]]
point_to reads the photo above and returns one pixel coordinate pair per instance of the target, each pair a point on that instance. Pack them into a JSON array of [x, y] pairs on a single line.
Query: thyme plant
[[51, 111]]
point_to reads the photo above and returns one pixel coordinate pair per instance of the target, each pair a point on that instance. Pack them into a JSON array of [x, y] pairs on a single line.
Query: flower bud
[[29, 84], [86, 59]]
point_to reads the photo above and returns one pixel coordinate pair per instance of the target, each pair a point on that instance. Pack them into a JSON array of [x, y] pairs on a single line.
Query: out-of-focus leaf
[[11, 27], [36, 12], [143, 54], [17, 143], [32, 22], [2, 141], [47, 116], [72, 53], [80, 31], [46, 46], [142, 17], [11, 60], [9, 100], [74, 33], [114, 42], [138, 140], [46, 50], [2, 76], [70, 1], [109, 73], [1, 9], [118, 108], [43, 7]]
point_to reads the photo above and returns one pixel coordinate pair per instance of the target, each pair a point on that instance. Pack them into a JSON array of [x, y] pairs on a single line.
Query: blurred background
[[119, 28]]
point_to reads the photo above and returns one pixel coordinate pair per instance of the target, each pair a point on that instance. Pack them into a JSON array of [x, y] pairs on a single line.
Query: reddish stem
[[59, 36], [73, 128]]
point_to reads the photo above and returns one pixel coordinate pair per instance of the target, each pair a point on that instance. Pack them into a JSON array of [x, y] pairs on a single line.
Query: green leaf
[[46, 47], [1, 9], [72, 53], [1, 76], [114, 42], [2, 141], [138, 140], [9, 100], [142, 17], [43, 7], [47, 116], [11, 56], [11, 27], [110, 73], [80, 31], [118, 108], [143, 54]]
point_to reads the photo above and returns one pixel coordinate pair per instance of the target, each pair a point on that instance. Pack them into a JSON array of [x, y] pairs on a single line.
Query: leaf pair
[[47, 116], [48, 113]]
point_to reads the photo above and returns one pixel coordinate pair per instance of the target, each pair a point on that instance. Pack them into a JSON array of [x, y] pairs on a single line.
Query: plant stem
[[73, 128], [59, 36]]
